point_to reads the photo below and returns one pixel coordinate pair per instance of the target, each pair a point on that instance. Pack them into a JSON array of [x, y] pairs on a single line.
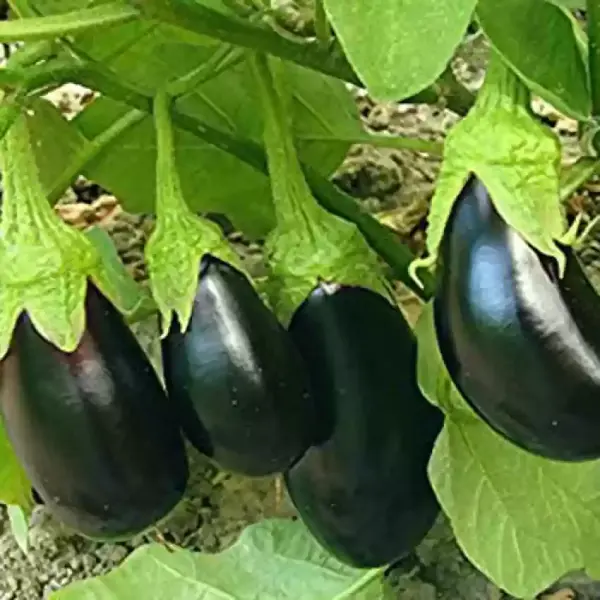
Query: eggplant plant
[[214, 116]]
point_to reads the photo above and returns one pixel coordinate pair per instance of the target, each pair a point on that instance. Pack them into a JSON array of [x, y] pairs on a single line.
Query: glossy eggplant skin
[[236, 377], [521, 345], [364, 493], [93, 428]]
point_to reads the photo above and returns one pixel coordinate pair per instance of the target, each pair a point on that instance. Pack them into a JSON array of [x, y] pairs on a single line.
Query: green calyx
[[180, 239], [45, 263], [513, 155], [308, 244]]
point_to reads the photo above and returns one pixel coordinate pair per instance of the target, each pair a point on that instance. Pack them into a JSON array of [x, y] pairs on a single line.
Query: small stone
[[118, 554]]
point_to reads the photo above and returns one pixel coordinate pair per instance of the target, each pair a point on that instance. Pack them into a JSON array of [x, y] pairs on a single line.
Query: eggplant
[[364, 491], [93, 428], [521, 344], [236, 378]]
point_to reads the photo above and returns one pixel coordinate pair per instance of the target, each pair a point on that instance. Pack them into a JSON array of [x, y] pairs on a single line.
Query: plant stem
[[593, 32], [575, 175], [457, 97], [322, 29], [380, 238], [198, 18], [398, 142], [38, 76], [202, 20], [169, 197], [292, 199], [31, 53], [91, 150], [42, 28], [22, 8], [224, 58], [332, 198]]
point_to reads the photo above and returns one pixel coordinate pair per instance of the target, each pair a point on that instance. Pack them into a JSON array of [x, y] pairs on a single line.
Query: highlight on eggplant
[[364, 492], [521, 344], [93, 428], [237, 379]]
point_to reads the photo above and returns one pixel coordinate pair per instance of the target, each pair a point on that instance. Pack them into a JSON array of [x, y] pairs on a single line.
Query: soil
[[396, 185]]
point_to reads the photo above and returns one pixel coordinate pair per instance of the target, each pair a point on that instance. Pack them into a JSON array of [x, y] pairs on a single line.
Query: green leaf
[[433, 379], [19, 526], [148, 56], [65, 23], [400, 59], [308, 243], [180, 238], [14, 485], [515, 515], [276, 559], [538, 40], [516, 158], [128, 170], [57, 142], [321, 109], [524, 521]]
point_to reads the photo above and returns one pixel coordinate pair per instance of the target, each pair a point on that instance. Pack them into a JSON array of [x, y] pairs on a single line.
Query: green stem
[[204, 21], [39, 76], [380, 238], [198, 18], [288, 183], [593, 31], [224, 58], [575, 175], [22, 8], [457, 97], [322, 30], [91, 150], [31, 53], [169, 196], [332, 198], [42, 28], [397, 142]]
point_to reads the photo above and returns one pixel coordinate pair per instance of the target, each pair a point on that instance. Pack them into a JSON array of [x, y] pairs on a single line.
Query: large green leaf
[[14, 485], [274, 560], [538, 39], [399, 48], [57, 142], [148, 56], [523, 520], [212, 179]]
